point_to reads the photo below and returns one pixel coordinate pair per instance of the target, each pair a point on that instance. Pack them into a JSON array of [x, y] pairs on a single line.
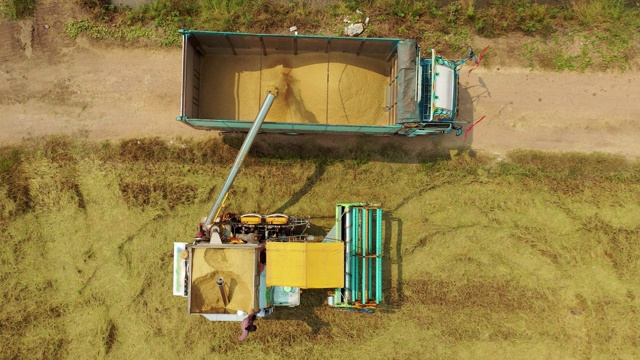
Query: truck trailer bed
[[314, 88], [325, 84]]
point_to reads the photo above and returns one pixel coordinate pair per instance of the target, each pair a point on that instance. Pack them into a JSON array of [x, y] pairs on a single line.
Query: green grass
[[99, 31], [17, 9], [597, 50], [534, 256], [576, 36]]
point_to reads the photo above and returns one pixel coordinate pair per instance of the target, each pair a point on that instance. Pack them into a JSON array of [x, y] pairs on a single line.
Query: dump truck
[[327, 84]]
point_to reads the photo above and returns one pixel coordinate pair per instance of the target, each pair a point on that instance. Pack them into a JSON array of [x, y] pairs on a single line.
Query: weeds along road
[[100, 92]]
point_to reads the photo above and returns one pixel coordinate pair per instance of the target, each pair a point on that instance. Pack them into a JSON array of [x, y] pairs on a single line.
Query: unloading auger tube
[[248, 141]]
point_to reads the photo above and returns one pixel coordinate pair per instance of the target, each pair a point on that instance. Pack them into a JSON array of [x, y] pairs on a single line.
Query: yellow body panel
[[305, 265]]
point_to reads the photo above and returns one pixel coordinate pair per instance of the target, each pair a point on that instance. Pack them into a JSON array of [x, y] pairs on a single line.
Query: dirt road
[[55, 85], [554, 111]]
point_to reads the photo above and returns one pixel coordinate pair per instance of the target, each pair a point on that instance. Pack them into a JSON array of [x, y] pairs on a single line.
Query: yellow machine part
[[277, 219], [251, 219], [305, 265]]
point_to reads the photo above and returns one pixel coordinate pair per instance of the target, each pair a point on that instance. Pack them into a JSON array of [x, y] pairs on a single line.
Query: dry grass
[[533, 257], [604, 31]]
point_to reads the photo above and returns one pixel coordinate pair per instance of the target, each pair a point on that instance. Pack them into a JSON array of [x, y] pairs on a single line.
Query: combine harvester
[[223, 272], [239, 265]]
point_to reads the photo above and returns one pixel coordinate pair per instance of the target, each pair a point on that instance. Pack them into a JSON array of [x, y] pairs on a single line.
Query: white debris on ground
[[354, 29], [357, 27]]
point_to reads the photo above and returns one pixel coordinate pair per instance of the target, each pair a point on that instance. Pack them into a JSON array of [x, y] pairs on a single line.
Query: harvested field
[[532, 256]]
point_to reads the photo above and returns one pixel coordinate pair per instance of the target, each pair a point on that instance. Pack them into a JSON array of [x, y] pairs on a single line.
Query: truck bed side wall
[[191, 78]]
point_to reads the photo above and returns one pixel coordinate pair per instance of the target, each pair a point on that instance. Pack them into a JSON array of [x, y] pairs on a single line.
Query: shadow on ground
[[363, 148], [309, 300], [392, 263]]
